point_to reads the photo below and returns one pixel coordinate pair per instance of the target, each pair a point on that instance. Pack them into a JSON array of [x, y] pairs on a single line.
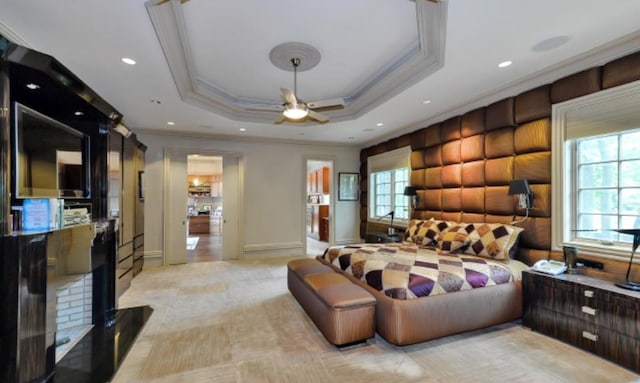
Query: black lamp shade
[[519, 187], [410, 190]]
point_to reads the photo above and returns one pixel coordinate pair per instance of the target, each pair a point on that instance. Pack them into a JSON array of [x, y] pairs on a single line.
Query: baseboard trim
[[268, 250], [153, 258], [351, 241]]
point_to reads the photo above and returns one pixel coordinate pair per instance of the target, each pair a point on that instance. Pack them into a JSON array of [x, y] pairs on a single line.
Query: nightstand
[[383, 238], [590, 313]]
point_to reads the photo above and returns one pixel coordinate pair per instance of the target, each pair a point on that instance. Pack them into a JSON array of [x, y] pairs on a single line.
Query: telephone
[[549, 267]]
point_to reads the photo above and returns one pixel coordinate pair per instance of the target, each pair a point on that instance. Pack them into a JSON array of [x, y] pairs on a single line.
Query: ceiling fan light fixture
[[296, 111]]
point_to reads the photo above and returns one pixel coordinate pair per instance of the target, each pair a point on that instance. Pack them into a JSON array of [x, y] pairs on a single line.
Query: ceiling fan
[[296, 110]]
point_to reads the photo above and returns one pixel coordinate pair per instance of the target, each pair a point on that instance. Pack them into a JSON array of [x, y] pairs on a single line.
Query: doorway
[[318, 205], [208, 212], [204, 208]]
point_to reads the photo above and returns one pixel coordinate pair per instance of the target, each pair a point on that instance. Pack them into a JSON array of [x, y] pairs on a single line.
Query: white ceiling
[[227, 43]]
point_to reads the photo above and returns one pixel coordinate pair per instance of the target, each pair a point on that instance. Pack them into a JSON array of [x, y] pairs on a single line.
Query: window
[[388, 176], [596, 171], [607, 184], [388, 195]]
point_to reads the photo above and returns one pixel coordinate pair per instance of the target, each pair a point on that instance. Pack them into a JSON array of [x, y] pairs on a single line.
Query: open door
[[176, 207], [230, 210], [318, 205]]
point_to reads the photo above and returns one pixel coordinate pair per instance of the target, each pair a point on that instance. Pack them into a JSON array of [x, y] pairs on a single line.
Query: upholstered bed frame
[[404, 322]]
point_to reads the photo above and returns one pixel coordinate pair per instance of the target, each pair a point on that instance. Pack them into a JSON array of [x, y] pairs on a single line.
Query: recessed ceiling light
[[379, 124], [78, 113], [33, 86], [128, 61], [157, 102], [426, 102], [170, 123], [243, 129], [504, 64]]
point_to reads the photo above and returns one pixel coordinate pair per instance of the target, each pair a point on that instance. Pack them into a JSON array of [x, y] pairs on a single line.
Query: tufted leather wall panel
[[621, 71], [463, 165], [533, 104], [576, 85]]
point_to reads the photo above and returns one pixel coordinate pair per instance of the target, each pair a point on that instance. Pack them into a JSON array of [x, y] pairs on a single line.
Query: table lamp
[[628, 284]]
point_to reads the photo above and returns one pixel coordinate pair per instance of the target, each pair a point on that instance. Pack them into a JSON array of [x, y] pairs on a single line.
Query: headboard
[[464, 164]]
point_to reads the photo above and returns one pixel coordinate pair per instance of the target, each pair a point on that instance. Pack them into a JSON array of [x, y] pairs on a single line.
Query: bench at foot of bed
[[343, 312]]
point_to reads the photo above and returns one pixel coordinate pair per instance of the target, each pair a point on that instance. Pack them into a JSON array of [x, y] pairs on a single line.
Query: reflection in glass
[[630, 146], [598, 201], [51, 158], [598, 149], [598, 175]]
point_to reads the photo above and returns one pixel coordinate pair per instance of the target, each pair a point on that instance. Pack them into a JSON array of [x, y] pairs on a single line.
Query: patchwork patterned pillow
[[412, 229], [493, 240], [456, 238], [429, 233]]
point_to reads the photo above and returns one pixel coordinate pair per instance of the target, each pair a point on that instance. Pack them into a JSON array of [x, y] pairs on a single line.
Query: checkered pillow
[[428, 232], [411, 234], [493, 240], [456, 238]]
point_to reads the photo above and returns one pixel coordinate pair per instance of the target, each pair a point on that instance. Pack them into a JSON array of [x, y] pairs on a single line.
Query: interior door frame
[[332, 198], [168, 152]]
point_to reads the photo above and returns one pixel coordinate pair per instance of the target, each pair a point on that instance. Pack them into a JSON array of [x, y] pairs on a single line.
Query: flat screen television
[[51, 159]]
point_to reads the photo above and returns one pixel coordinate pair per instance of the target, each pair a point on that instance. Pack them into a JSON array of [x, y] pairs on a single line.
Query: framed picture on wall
[[348, 186]]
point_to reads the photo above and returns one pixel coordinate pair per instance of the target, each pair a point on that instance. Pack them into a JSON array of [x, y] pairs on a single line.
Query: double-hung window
[[388, 176], [607, 185], [596, 172]]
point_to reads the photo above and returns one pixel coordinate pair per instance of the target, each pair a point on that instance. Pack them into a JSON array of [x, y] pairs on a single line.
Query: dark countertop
[[99, 354]]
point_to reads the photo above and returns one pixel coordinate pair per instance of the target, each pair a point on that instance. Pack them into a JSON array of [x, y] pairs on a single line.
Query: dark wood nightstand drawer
[[585, 312]]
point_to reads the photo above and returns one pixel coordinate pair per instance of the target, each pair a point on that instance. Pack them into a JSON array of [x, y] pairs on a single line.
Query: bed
[[445, 278]]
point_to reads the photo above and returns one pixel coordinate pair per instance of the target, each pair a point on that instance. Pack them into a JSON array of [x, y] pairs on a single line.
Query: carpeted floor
[[315, 247], [236, 322]]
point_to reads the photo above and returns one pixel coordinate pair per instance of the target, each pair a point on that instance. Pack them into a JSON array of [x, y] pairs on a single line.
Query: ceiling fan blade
[[280, 121], [328, 103], [318, 116], [289, 96]]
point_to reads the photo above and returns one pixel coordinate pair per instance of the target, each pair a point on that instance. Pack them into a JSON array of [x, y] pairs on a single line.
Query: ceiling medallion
[[282, 54]]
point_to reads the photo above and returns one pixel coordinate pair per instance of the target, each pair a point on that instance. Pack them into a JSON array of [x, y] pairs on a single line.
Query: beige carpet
[[236, 322]]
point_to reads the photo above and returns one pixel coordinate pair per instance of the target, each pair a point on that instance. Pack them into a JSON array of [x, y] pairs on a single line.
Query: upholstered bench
[[343, 312]]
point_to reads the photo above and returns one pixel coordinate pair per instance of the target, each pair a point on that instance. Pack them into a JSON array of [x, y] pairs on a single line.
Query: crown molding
[[594, 57], [248, 139], [13, 36]]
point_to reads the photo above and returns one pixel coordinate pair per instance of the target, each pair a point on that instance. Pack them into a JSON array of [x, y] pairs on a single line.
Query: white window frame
[[608, 111], [394, 159]]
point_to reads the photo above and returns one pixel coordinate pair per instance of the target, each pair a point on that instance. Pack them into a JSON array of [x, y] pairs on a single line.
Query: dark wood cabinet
[[319, 180], [199, 224], [587, 312], [322, 180], [316, 214], [126, 202], [324, 229]]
